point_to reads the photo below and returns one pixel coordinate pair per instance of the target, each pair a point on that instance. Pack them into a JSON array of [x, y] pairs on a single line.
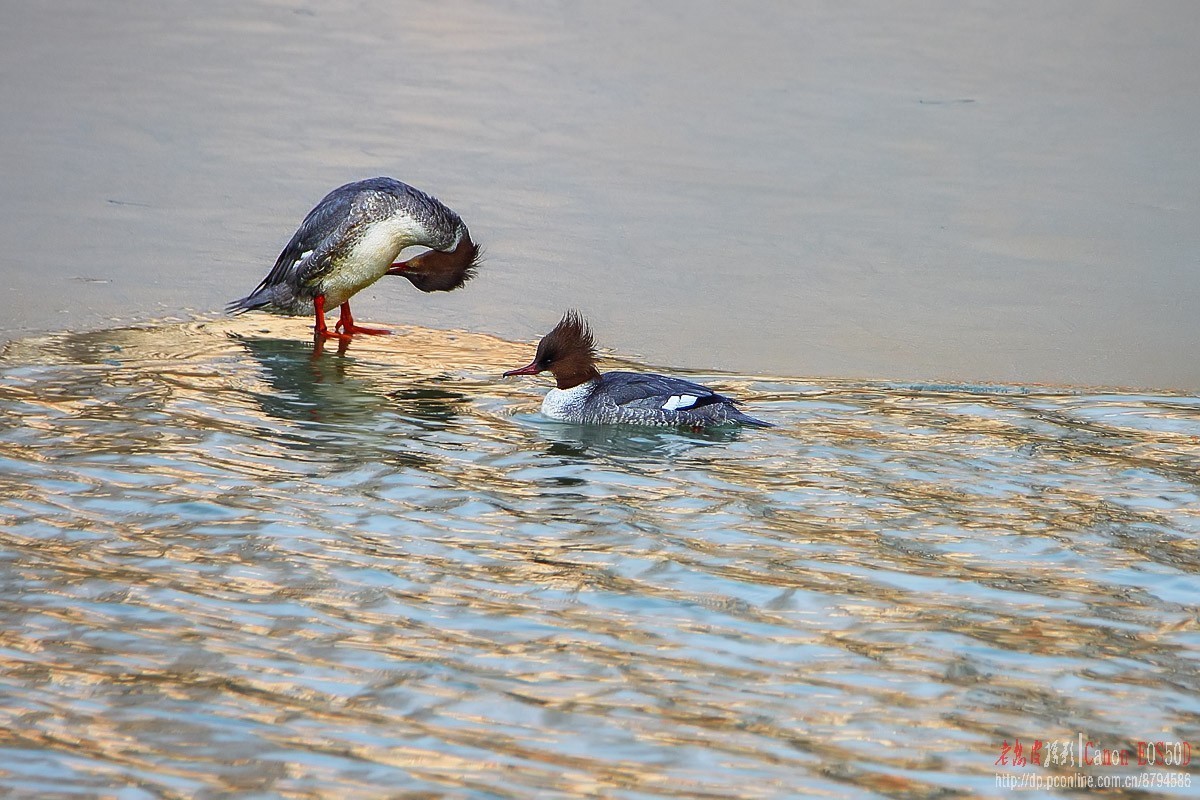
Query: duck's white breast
[[566, 403], [370, 258]]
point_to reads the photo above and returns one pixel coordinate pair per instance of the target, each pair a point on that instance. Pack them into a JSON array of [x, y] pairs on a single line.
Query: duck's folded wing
[[306, 256], [638, 390]]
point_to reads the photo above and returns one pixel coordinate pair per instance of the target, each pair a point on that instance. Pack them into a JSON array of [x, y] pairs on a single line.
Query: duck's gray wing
[[658, 392], [672, 399], [306, 256]]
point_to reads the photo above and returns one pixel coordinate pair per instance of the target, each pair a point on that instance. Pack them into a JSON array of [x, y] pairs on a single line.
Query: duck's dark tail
[[746, 419], [252, 301]]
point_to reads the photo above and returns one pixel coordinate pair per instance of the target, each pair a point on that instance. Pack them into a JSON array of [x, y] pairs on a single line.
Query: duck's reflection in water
[[622, 440], [309, 383]]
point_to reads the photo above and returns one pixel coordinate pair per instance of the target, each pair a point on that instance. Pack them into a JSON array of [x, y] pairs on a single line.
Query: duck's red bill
[[531, 369]]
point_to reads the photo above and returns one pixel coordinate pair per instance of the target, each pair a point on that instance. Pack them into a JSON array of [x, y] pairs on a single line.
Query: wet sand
[[931, 192]]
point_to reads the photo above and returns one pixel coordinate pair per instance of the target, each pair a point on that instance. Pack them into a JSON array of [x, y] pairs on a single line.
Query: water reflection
[[616, 441], [235, 564], [305, 383]]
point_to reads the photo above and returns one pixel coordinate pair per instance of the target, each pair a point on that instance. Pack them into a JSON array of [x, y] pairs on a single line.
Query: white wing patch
[[678, 401]]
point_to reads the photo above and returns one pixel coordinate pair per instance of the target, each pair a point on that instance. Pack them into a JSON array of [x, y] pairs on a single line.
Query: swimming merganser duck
[[586, 396], [350, 240]]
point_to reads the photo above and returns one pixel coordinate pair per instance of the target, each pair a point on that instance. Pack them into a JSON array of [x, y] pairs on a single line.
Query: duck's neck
[[569, 379]]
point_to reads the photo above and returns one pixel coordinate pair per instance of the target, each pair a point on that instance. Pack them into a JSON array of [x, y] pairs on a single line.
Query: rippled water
[[232, 565]]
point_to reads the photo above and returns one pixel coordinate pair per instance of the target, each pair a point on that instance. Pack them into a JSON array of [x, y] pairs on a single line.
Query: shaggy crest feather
[[570, 337]]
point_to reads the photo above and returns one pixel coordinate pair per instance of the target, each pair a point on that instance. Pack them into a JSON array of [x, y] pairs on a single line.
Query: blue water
[[233, 565]]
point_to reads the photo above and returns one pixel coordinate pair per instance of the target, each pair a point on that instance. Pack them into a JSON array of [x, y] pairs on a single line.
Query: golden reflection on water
[[236, 564]]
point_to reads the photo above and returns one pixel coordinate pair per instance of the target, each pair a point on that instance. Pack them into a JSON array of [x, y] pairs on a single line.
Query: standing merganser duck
[[350, 240], [585, 396]]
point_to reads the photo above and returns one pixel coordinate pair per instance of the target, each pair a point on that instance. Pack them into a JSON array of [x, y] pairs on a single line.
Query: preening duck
[[351, 239]]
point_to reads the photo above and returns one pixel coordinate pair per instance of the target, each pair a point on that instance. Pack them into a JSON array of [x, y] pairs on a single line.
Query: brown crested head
[[442, 271], [569, 351]]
